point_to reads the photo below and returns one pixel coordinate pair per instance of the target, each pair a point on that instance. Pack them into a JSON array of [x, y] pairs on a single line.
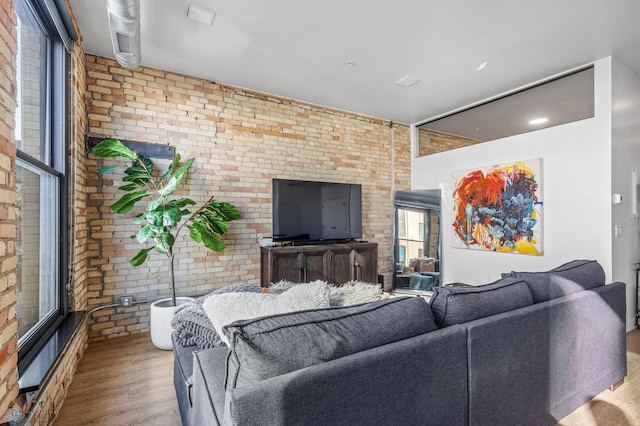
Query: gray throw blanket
[[192, 325]]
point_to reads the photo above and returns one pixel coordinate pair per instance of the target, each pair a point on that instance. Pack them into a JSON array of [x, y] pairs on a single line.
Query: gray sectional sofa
[[526, 350]]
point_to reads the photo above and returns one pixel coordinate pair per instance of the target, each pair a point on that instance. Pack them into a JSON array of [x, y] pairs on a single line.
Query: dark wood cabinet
[[334, 263]]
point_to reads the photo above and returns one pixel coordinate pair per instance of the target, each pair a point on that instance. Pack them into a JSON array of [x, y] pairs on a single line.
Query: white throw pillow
[[354, 294], [225, 308]]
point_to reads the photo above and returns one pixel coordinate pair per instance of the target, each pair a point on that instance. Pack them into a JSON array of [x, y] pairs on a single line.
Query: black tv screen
[[316, 211]]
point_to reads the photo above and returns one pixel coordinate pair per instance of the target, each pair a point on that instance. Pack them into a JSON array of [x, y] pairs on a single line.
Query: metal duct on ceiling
[[124, 24]]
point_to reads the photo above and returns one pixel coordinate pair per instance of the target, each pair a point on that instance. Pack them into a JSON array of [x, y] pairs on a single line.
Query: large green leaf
[[171, 217], [157, 229], [194, 233], [155, 219], [216, 223], [182, 202], [144, 233], [139, 218], [139, 172], [201, 234], [131, 186], [127, 201], [113, 148], [155, 203], [145, 163], [173, 183], [139, 258], [172, 167], [135, 177], [164, 242], [212, 241], [227, 211]]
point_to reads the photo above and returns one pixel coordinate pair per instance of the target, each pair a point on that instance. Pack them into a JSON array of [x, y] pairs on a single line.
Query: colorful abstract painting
[[499, 208]]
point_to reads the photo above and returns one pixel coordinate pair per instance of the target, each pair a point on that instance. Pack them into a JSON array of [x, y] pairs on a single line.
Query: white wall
[[625, 157], [577, 192]]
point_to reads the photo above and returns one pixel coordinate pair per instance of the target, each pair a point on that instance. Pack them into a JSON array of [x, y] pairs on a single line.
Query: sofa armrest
[[209, 370], [418, 380], [537, 364]]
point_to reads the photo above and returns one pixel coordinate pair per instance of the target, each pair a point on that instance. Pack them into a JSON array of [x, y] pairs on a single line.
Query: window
[[402, 224], [40, 176]]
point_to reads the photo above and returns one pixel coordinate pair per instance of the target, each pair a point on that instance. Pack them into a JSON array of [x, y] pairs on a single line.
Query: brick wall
[[431, 142], [8, 258], [241, 140], [79, 246]]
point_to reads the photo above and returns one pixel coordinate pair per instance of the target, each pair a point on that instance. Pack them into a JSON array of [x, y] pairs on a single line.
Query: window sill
[[34, 374]]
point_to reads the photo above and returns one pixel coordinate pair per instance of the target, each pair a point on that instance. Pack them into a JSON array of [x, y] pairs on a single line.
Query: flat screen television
[[316, 212]]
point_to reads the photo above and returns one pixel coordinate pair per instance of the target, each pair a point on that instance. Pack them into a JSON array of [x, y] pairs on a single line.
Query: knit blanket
[[193, 327]]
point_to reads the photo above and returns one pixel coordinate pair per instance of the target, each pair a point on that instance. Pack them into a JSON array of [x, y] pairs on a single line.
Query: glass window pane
[[32, 82], [36, 245], [402, 224]]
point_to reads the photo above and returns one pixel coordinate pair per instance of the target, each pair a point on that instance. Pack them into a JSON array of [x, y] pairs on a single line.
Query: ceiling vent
[[124, 24]]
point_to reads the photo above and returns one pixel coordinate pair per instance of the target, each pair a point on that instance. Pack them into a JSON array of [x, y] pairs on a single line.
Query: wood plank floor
[[123, 381], [127, 381]]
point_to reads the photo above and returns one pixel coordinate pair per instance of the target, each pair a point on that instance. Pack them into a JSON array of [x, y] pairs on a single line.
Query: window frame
[[56, 100]]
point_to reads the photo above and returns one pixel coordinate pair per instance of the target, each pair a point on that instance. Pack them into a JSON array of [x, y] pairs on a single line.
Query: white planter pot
[[161, 316]]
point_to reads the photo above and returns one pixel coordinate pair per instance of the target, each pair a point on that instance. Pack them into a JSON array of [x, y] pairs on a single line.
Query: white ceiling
[[299, 49]]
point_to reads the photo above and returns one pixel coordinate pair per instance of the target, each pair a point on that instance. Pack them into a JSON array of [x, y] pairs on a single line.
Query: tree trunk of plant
[[172, 283]]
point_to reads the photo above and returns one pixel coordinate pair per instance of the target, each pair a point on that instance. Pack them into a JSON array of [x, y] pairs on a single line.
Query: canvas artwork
[[499, 208]]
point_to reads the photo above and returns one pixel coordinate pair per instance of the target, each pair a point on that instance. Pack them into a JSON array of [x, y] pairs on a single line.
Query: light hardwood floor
[[123, 381], [127, 381]]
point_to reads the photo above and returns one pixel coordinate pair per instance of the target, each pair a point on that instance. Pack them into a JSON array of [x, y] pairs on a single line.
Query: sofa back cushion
[[270, 346], [569, 278], [459, 304]]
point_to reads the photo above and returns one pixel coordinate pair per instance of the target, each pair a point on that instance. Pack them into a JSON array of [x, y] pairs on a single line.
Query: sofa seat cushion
[[458, 304], [266, 347], [566, 279]]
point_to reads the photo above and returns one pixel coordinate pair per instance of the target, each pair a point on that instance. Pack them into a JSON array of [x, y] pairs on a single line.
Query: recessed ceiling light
[[407, 81], [200, 14], [481, 66], [540, 120]]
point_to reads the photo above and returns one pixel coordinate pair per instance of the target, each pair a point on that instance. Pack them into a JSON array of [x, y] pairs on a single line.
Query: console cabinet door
[[282, 265], [338, 265], [364, 262], [334, 263], [313, 266]]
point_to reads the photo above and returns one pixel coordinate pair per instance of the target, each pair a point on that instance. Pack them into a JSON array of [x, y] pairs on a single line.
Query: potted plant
[[163, 218]]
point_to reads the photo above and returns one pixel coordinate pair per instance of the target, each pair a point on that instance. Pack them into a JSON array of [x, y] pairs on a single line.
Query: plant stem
[[172, 282]]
